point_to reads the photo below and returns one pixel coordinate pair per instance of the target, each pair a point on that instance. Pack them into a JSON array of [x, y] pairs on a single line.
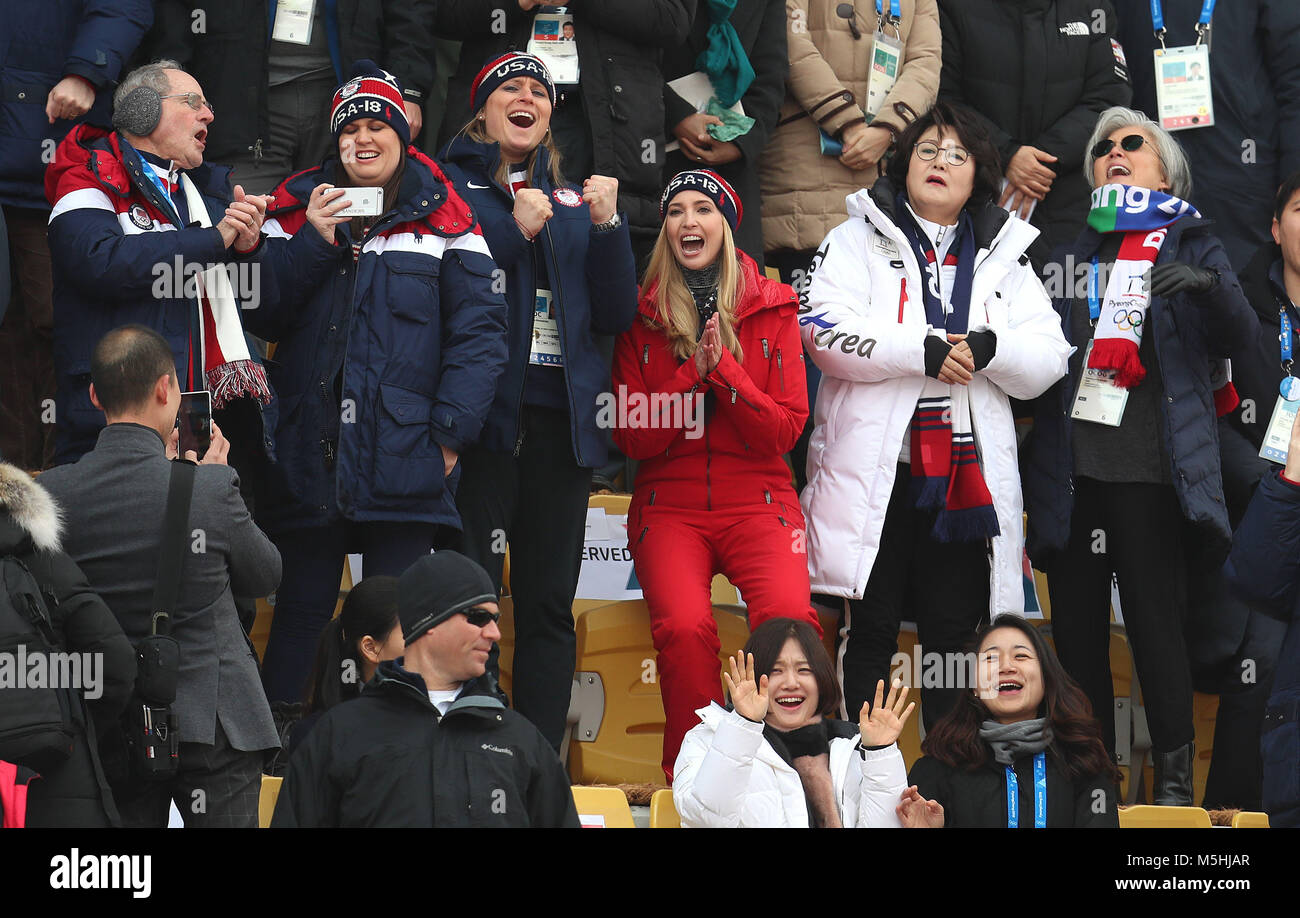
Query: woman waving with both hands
[[775, 760]]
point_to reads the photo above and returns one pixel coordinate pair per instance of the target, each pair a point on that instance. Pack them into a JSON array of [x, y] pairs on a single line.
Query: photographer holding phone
[[220, 712], [391, 338]]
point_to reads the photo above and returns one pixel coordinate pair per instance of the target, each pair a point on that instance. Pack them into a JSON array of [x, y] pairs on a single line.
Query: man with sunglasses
[[429, 742]]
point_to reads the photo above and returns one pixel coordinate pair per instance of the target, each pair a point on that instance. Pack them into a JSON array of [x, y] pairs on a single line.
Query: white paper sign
[[293, 21]]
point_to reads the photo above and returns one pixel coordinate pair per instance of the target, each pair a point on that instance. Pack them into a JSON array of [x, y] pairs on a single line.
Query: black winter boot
[[1173, 776]]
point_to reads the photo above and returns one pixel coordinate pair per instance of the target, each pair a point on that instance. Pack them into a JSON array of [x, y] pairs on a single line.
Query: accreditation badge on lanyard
[[293, 21], [554, 41], [886, 58], [1277, 438], [545, 348], [1183, 84], [1040, 794], [1098, 399]]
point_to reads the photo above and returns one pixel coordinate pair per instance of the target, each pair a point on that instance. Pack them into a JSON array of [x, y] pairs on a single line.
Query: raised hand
[[532, 210], [325, 202], [881, 724], [709, 350], [915, 812], [748, 697], [601, 194]]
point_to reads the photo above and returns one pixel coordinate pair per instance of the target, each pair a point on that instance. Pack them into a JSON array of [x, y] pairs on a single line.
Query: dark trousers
[[27, 345], [1134, 531], [309, 590], [217, 787], [538, 503], [1236, 775], [299, 114], [793, 268], [942, 586]]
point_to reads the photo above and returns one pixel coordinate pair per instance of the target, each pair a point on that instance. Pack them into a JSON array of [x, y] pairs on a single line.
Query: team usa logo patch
[[568, 197], [350, 90], [139, 216]]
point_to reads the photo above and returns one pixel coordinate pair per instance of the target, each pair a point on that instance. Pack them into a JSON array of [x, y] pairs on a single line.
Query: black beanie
[[438, 586]]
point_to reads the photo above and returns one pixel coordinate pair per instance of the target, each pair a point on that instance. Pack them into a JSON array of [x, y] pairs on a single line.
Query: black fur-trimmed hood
[[27, 512]]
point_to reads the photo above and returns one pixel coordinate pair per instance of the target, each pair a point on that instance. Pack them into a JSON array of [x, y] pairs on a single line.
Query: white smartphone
[[366, 202]]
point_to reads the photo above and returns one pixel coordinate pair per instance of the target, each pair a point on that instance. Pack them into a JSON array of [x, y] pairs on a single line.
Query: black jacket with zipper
[[388, 759], [1038, 72], [978, 799], [74, 794]]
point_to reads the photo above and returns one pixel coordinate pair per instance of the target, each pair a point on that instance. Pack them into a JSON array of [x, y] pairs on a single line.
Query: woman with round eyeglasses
[[925, 319], [1122, 470]]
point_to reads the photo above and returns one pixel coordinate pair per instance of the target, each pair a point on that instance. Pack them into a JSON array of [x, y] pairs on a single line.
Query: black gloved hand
[[1177, 277]]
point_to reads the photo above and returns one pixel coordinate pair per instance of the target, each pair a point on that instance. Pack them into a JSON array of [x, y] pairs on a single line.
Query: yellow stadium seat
[[616, 658], [663, 815], [1163, 817], [266, 801], [604, 807], [1243, 820]]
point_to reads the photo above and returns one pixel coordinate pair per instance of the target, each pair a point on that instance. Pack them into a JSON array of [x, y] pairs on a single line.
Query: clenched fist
[[532, 210], [601, 194]]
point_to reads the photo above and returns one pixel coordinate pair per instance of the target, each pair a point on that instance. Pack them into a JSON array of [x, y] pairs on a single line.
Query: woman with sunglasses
[[1122, 472], [925, 319]]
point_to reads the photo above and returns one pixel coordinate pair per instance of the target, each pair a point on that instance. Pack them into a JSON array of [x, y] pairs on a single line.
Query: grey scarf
[[1012, 741]]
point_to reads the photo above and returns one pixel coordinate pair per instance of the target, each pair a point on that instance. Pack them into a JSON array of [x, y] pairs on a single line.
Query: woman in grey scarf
[[1021, 750]]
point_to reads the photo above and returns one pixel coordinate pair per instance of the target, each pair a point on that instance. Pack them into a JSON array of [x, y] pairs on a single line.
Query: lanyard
[[1284, 337], [1158, 19], [895, 14], [1094, 300], [1040, 794]]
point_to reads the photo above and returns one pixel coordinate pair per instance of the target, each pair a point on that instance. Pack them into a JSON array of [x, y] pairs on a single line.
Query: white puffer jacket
[[863, 322], [728, 776]]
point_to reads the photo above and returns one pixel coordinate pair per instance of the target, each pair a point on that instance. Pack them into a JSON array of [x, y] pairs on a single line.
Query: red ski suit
[[713, 492]]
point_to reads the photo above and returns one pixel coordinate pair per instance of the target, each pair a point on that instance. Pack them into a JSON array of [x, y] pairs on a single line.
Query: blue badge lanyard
[[1284, 337], [895, 13], [1158, 19], [1094, 298], [1040, 794]]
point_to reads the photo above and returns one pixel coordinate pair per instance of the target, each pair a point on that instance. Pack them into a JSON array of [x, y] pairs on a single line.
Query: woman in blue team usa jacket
[[569, 275], [391, 338]]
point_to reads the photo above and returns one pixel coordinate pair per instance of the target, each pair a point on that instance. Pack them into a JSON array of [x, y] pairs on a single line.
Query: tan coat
[[804, 191]]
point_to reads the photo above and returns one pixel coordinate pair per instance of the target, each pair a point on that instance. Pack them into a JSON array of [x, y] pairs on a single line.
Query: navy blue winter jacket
[[115, 252], [1188, 330], [1265, 565], [417, 331], [41, 42], [593, 281]]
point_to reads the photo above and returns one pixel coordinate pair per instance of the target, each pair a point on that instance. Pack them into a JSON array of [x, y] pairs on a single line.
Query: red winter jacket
[[735, 458]]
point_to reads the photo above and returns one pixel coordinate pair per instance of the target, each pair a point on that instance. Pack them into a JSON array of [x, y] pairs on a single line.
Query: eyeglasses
[[927, 150], [1130, 144], [479, 618], [193, 100]]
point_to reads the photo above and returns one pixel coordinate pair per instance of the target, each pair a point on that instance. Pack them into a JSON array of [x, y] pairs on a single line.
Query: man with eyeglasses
[[429, 742], [143, 231]]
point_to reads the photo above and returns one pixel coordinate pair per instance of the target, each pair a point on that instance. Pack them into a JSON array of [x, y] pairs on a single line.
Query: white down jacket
[[863, 322], [728, 776]]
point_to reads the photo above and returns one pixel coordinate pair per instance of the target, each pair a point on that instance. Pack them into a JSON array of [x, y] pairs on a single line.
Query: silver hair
[[152, 75], [1172, 158]]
